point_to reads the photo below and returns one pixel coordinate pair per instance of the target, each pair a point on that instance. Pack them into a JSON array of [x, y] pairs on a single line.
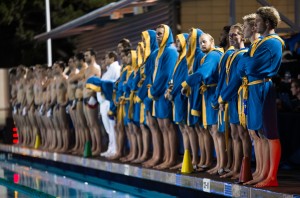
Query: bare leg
[[215, 140], [208, 142], [275, 154], [157, 142], [220, 150], [258, 156], [57, 130], [82, 125], [133, 144], [193, 143], [173, 142], [235, 172], [138, 135], [229, 151], [146, 135], [93, 115], [120, 136], [263, 148], [64, 124], [33, 124], [186, 143], [246, 142], [72, 113], [201, 144], [166, 143]]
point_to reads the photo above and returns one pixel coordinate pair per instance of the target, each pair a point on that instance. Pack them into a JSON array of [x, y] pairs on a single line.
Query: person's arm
[[164, 71], [182, 72], [65, 84], [203, 72], [77, 77], [221, 82]]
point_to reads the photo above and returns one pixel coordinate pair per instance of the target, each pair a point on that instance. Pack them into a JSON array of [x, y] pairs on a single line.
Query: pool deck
[[289, 180]]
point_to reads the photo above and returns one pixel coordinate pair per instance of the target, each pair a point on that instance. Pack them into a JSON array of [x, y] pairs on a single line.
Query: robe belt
[[131, 102], [243, 97], [226, 122], [204, 87], [121, 109]]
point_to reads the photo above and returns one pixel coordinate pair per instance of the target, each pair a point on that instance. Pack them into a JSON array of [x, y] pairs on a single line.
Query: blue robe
[[162, 108], [221, 82], [194, 100], [151, 53], [118, 91], [207, 76], [261, 65], [135, 108], [180, 101], [143, 90], [180, 73], [232, 84]]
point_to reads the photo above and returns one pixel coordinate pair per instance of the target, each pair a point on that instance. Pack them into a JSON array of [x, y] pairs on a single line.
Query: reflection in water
[[52, 184]]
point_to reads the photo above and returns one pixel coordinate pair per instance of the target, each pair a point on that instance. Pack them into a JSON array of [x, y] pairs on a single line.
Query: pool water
[[23, 179]]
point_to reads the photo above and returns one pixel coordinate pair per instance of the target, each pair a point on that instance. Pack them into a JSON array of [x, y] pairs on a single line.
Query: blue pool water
[[22, 179]]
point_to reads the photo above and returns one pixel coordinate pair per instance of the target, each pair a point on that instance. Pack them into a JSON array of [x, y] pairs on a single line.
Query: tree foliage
[[21, 20]]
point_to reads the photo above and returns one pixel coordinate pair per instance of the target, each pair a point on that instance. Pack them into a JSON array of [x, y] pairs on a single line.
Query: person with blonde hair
[[207, 76], [260, 106]]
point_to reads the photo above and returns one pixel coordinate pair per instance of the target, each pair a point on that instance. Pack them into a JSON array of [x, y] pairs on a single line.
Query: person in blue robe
[[207, 76], [162, 108], [263, 64], [173, 93]]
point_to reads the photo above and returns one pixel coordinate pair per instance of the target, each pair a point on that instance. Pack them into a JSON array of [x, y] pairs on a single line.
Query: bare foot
[[144, 158], [213, 170], [115, 157], [165, 165], [256, 180], [269, 182], [96, 153], [153, 163], [176, 167], [235, 176], [160, 166], [227, 175], [149, 161]]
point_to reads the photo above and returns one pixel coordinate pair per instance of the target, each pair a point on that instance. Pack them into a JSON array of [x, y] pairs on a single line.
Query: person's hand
[[168, 95], [183, 91], [222, 107]]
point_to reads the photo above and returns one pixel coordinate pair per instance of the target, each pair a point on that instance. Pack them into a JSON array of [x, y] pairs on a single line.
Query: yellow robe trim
[[187, 87], [140, 55], [147, 47], [150, 95], [121, 109], [243, 95], [203, 89], [195, 113], [142, 113], [219, 66], [93, 87], [161, 49], [220, 100], [229, 63], [131, 102], [226, 120], [190, 56], [173, 110], [182, 41], [160, 52], [257, 43], [188, 113]]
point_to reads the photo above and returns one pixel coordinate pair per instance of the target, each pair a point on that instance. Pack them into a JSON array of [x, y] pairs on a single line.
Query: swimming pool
[[20, 179]]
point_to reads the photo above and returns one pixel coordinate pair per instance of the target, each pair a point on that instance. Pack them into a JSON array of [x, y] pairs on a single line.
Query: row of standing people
[[194, 86]]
